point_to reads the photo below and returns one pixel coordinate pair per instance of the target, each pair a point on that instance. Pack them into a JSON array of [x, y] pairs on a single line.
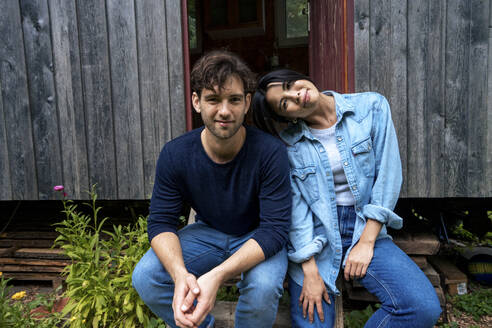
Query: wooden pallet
[[28, 256]]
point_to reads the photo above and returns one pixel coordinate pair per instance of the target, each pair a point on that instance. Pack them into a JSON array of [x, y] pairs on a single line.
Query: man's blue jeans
[[407, 297], [203, 249]]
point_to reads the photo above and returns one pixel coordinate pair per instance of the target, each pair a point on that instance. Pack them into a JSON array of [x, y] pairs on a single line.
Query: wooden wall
[[90, 92], [431, 59]]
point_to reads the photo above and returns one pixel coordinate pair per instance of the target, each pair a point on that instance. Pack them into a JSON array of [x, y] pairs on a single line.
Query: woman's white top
[[342, 190]]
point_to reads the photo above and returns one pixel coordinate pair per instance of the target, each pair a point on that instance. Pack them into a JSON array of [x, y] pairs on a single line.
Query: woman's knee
[[429, 312]]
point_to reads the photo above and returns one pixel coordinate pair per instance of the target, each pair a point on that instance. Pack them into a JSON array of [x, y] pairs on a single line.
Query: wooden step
[[224, 313], [55, 278], [34, 262], [452, 277], [39, 243], [418, 243], [41, 253]]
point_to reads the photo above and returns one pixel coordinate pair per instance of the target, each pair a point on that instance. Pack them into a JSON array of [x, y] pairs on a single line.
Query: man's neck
[[222, 151]]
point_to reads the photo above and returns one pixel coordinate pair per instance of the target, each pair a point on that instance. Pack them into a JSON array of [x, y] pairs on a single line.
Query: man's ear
[[195, 100], [248, 102]]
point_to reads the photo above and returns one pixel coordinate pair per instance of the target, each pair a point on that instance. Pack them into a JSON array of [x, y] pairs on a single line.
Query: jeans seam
[[383, 321], [384, 287]]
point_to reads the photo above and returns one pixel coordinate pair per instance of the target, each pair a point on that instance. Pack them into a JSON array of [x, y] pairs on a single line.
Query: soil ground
[[450, 315]]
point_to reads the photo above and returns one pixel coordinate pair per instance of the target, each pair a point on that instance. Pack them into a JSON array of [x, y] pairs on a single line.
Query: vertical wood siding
[[431, 60], [90, 92]]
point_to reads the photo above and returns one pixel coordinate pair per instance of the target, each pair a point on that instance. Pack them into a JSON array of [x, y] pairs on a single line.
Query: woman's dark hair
[[263, 115]]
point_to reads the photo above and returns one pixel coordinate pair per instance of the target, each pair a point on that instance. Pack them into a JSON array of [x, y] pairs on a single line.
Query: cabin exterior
[[91, 90]]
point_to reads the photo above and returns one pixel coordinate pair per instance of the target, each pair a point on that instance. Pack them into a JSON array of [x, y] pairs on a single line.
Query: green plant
[[476, 303], [357, 318], [17, 314], [99, 279]]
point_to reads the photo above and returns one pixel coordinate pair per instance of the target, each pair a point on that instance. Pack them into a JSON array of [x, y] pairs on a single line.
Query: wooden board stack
[[29, 256]]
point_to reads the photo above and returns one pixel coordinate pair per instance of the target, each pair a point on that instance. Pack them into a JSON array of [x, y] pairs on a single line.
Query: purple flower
[[58, 188]]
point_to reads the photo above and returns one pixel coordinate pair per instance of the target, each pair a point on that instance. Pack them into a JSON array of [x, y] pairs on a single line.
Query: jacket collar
[[295, 131]]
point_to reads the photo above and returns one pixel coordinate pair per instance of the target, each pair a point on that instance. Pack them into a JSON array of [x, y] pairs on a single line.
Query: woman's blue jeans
[[406, 295], [203, 249]]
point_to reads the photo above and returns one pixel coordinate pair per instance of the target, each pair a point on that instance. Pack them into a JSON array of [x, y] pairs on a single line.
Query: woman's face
[[296, 99]]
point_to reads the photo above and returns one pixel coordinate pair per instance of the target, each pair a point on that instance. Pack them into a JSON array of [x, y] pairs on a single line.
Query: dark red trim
[[349, 46], [186, 63], [331, 50]]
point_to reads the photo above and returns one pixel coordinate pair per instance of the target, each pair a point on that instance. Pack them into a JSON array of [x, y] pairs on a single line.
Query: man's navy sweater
[[250, 192]]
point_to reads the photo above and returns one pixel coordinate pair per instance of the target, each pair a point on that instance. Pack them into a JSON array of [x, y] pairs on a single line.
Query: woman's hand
[[358, 260], [313, 291], [361, 254]]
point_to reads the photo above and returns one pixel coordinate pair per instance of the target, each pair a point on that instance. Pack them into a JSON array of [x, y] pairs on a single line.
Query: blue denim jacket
[[368, 147]]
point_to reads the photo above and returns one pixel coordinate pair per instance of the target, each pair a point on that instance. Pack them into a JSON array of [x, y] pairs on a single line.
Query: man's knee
[[262, 291], [146, 279]]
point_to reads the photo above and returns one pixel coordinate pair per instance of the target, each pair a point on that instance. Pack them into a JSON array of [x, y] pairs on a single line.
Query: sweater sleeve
[[166, 201], [275, 202]]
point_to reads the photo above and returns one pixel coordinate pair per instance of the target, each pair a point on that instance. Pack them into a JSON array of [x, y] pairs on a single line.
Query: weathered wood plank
[[29, 268], [125, 98], [68, 86], [418, 33], [40, 253], [380, 29], [154, 85], [34, 262], [175, 67], [362, 45], [397, 96], [434, 102], [39, 60], [6, 189], [94, 57], [417, 244], [457, 65], [30, 235], [488, 147], [477, 99], [15, 102], [42, 243]]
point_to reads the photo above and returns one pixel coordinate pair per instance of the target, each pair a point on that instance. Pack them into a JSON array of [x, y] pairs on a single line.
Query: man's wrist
[[178, 273]]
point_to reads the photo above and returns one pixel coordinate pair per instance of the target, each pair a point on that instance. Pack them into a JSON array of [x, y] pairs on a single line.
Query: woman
[[346, 177]]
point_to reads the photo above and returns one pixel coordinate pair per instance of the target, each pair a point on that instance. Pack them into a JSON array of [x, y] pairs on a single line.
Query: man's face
[[223, 109]]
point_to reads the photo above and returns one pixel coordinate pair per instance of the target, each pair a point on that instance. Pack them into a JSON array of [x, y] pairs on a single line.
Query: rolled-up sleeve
[[388, 179], [304, 242]]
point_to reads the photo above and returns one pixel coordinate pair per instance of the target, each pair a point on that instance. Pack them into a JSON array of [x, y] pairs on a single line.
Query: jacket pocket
[[305, 178], [364, 156]]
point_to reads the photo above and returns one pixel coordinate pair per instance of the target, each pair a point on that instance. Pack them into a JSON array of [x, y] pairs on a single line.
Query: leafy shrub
[[16, 314], [358, 318], [99, 279], [477, 303]]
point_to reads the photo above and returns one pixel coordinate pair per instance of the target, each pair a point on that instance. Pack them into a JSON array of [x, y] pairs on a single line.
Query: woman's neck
[[325, 115]]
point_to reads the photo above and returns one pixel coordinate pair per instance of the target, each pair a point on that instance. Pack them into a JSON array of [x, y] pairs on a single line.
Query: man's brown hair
[[214, 68]]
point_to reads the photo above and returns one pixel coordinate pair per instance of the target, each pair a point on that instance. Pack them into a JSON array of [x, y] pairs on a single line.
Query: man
[[237, 180]]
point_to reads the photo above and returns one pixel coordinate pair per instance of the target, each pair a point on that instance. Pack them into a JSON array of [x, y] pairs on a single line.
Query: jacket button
[[339, 138], [345, 163], [354, 187]]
